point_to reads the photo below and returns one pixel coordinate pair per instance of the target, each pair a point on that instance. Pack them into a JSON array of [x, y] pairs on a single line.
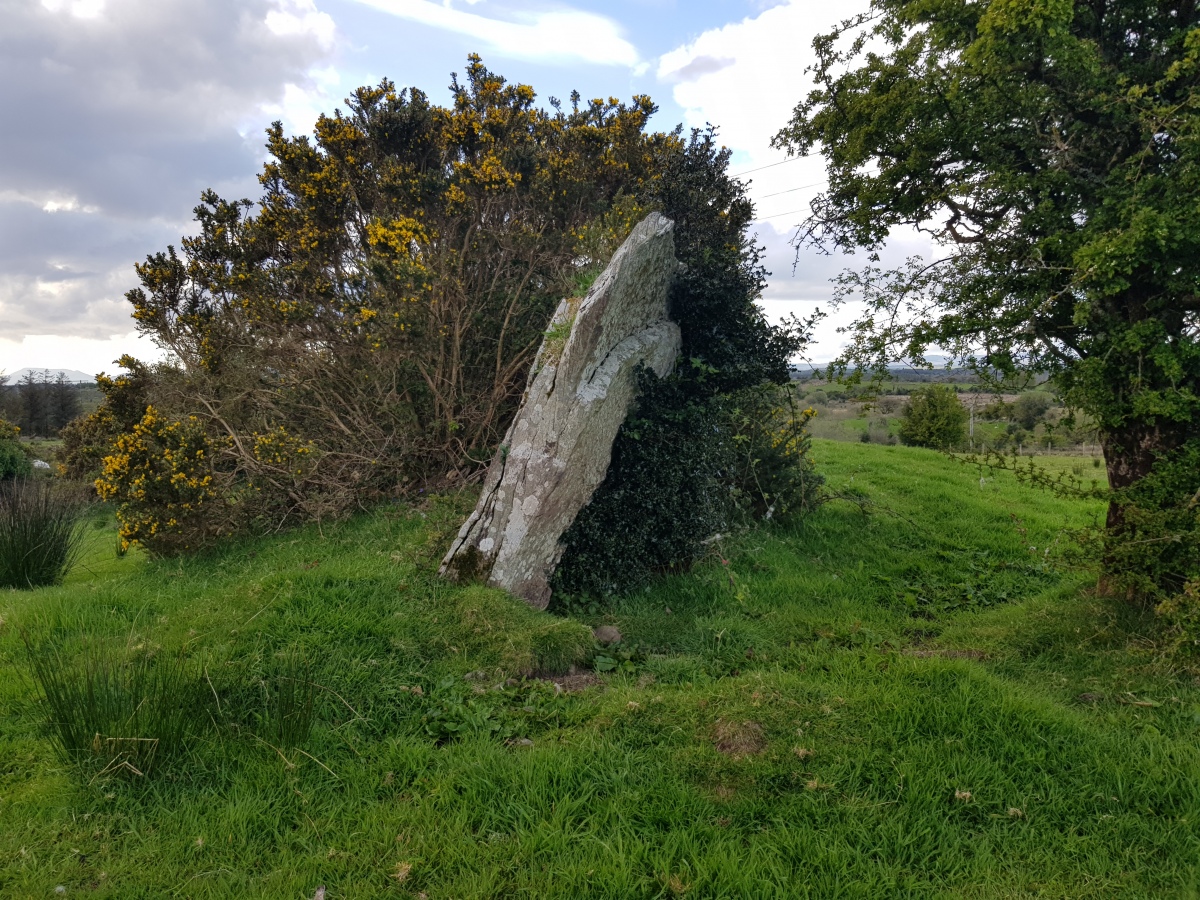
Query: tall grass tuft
[[122, 710], [289, 701], [40, 532]]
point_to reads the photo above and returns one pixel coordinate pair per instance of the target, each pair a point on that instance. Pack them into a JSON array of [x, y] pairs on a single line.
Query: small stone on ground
[[607, 634]]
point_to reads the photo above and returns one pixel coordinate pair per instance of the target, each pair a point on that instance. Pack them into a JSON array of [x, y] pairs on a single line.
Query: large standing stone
[[558, 448]]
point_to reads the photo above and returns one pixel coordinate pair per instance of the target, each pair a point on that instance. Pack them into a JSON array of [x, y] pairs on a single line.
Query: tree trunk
[[1129, 456]]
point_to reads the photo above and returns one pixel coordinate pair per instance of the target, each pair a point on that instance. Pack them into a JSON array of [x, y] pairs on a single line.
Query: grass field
[[905, 697]]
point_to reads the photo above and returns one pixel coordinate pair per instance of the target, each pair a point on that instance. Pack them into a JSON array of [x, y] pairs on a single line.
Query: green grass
[[793, 718]]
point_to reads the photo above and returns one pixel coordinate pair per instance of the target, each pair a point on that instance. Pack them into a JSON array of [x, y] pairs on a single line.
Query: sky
[[120, 112]]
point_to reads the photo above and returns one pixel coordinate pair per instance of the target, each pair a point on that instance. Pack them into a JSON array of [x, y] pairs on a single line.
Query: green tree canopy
[[934, 417], [1051, 149], [1029, 408]]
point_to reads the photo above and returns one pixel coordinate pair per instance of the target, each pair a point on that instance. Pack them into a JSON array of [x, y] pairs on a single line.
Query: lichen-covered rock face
[[580, 388]]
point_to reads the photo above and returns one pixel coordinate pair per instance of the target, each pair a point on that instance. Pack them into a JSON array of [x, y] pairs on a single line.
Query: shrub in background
[[1180, 614], [682, 471], [40, 531], [13, 461], [1030, 407], [934, 417], [772, 475], [368, 326], [374, 315], [162, 474], [1151, 544], [878, 431], [87, 440]]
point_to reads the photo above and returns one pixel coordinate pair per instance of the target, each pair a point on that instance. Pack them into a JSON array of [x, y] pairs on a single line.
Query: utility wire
[[778, 215], [769, 166], [793, 190]]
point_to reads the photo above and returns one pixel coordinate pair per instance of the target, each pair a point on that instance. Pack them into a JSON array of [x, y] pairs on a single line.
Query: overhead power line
[[793, 190], [779, 215], [769, 166]]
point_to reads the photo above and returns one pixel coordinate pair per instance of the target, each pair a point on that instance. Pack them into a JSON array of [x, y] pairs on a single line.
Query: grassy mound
[[903, 699]]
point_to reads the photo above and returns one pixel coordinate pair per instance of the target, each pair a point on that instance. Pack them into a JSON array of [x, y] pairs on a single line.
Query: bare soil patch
[[944, 653], [572, 684]]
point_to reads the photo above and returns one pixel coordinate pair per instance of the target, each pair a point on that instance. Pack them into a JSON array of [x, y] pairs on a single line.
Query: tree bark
[[1129, 456]]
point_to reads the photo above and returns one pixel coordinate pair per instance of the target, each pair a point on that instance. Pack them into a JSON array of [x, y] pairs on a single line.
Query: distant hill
[[72, 375]]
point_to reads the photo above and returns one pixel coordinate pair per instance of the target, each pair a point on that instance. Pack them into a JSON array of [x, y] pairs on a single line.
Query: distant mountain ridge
[[72, 375]]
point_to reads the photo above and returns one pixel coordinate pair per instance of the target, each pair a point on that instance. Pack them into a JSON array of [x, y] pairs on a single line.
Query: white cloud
[[300, 105], [747, 77], [80, 9], [90, 355], [132, 108], [48, 201], [69, 205], [293, 18], [558, 35], [320, 89]]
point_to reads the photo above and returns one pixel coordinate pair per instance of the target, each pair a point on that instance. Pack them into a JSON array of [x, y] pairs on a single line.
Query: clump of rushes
[[119, 709], [289, 696], [40, 532]]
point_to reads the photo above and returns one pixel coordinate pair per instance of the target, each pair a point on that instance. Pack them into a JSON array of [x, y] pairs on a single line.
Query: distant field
[[903, 697], [849, 421]]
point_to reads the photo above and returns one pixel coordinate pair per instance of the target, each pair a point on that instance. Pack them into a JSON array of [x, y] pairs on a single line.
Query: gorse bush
[[160, 471], [87, 440], [368, 324], [40, 531], [772, 474], [13, 461], [367, 328]]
